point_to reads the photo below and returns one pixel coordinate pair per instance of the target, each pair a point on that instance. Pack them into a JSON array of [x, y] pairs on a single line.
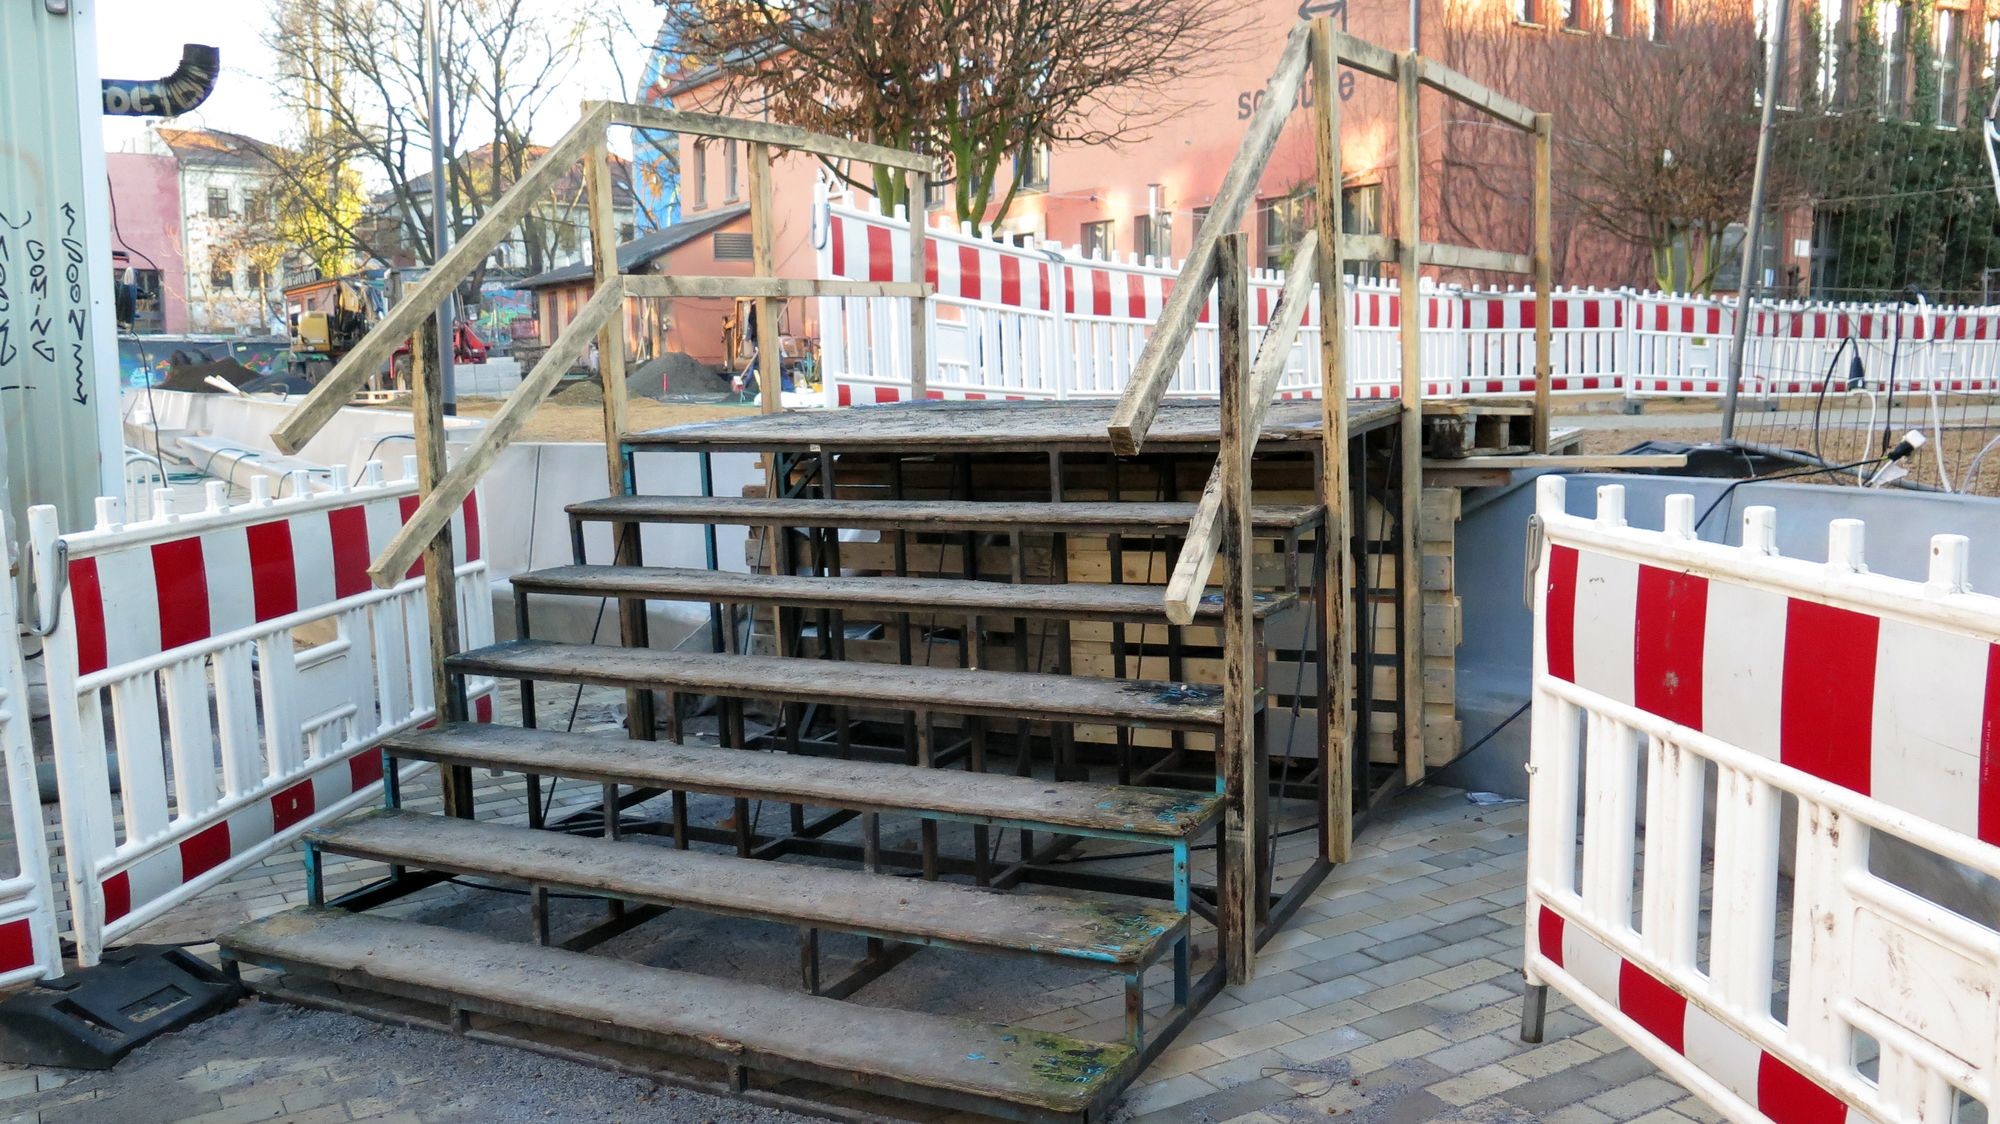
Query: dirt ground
[[576, 413]]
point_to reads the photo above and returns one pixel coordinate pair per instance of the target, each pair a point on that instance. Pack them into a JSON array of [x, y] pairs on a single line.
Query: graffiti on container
[[28, 269]]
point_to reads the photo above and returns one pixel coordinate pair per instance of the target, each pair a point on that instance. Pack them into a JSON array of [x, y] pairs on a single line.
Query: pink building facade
[[146, 238]]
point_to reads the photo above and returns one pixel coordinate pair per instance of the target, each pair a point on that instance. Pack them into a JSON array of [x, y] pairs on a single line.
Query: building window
[[1153, 235], [218, 202], [1283, 223], [255, 277], [1361, 213], [1576, 14], [731, 186], [221, 274], [1945, 35], [1098, 240], [1895, 58], [728, 245], [1832, 42], [1527, 11], [1031, 168], [1615, 18], [1200, 218], [700, 174], [1991, 65]]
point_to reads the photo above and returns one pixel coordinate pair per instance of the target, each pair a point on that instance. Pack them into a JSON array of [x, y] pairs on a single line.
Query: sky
[[141, 39]]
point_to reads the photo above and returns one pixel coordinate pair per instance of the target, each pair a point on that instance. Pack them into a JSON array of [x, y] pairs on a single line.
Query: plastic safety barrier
[[246, 667], [28, 946], [1680, 684]]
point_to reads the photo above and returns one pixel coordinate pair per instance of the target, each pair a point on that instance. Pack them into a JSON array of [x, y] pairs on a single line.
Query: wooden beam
[[1544, 221], [918, 211], [1236, 923], [1161, 355], [780, 288], [1336, 636], [440, 567], [422, 299], [761, 132], [437, 508], [1409, 586], [1204, 533], [1367, 247], [1442, 78], [1364, 56], [1466, 257]]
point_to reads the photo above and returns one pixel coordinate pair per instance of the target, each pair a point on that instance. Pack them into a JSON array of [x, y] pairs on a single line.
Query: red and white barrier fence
[[1680, 683], [1037, 320], [249, 669], [28, 945]]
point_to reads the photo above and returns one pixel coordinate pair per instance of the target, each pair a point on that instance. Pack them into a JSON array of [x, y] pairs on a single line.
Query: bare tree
[[974, 82], [1655, 135], [353, 73]]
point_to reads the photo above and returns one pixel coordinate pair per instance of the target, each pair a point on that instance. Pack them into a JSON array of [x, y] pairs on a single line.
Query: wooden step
[[920, 1057], [1083, 518], [980, 798], [1127, 932], [1092, 601], [999, 694]]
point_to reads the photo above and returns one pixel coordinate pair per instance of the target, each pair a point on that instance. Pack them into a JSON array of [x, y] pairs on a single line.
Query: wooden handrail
[[1168, 341], [437, 508], [422, 300], [1450, 82], [1204, 533]]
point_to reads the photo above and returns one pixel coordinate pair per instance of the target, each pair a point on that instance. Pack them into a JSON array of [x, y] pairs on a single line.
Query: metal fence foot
[[1534, 1008]]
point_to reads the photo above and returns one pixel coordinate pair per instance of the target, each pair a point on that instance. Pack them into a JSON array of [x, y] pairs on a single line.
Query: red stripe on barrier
[[17, 945], [482, 709], [1668, 637], [180, 581], [86, 601], [1660, 1009], [1790, 1097], [931, 263], [1010, 280], [1558, 314], [274, 579], [1135, 296], [472, 543], [881, 267], [1042, 271], [1989, 751], [291, 806], [968, 272], [833, 235], [886, 394], [844, 394], [1560, 622], [117, 896], [1549, 934], [1828, 693], [364, 769], [204, 850], [1100, 292], [408, 506], [1592, 314], [349, 529]]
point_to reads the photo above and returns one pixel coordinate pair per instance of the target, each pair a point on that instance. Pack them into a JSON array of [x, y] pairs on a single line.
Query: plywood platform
[[989, 427]]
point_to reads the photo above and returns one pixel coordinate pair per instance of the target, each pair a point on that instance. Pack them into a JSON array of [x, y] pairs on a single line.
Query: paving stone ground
[[1393, 996]]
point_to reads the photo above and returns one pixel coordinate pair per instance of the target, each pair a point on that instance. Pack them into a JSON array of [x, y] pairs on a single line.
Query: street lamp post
[[447, 318]]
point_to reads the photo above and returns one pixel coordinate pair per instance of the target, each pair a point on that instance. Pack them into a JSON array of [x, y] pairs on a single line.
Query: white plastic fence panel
[[1588, 337], [1680, 683], [248, 670], [28, 945]]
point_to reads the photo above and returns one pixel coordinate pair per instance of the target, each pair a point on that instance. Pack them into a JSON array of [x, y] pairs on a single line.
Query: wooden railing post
[[1544, 204], [920, 344], [625, 546], [1236, 756], [1409, 579], [770, 365], [1336, 703], [440, 569]]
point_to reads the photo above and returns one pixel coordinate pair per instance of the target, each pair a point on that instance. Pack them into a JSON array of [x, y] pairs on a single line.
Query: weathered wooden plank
[[1409, 649], [1442, 78], [1121, 931], [1468, 257], [1060, 600], [1544, 223], [422, 299], [725, 1020], [1204, 536], [929, 515], [953, 690], [761, 132], [439, 505], [992, 427], [1364, 56], [777, 288], [1161, 355], [1240, 872], [819, 781], [1368, 247]]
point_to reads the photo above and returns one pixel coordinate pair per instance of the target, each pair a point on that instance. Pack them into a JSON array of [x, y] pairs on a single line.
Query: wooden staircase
[[962, 740]]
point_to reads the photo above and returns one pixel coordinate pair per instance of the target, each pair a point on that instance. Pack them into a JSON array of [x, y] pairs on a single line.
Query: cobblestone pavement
[[1394, 996]]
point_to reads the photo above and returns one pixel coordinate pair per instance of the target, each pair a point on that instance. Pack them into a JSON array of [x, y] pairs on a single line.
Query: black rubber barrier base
[[91, 1018]]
